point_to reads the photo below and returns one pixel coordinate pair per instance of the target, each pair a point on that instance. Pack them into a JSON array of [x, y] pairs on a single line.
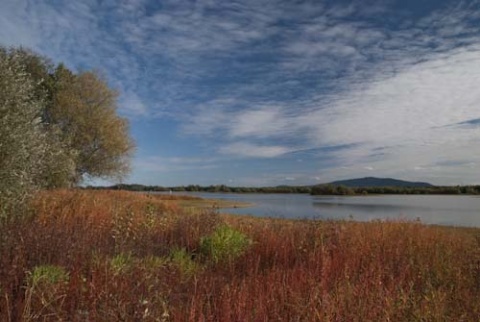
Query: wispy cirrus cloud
[[158, 164], [244, 149], [402, 88]]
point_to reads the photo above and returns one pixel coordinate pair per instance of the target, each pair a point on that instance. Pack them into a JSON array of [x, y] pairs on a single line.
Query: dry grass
[[121, 256]]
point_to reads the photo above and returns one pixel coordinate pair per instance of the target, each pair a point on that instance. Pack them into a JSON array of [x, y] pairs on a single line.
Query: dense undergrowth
[[121, 256]]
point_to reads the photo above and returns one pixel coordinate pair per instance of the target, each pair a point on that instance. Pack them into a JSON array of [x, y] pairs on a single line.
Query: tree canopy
[[57, 127], [85, 110]]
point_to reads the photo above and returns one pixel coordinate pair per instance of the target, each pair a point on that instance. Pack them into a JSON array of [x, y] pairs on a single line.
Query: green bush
[[45, 292], [48, 275], [183, 260], [224, 244], [121, 263], [152, 263]]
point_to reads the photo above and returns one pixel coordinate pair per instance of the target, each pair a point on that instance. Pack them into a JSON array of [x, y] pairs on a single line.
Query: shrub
[[183, 261], [47, 275], [121, 263], [224, 244], [152, 263], [45, 293]]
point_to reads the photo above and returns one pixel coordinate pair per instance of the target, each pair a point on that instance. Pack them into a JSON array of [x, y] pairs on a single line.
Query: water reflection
[[362, 207], [431, 209]]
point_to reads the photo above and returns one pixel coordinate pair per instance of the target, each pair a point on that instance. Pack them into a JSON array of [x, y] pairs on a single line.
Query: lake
[[430, 209]]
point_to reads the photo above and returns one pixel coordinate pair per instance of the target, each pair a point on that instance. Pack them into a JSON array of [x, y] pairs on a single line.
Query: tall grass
[[121, 256]]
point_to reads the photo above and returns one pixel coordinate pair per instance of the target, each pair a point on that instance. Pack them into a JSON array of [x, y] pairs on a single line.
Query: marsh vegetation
[[112, 256]]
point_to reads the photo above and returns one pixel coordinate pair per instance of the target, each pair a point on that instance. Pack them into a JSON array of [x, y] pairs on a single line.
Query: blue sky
[[271, 92]]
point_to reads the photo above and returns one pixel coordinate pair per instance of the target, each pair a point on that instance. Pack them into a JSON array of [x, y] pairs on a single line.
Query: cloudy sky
[[270, 92]]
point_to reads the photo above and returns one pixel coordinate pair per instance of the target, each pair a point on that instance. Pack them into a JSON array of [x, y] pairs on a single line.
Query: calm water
[[431, 209]]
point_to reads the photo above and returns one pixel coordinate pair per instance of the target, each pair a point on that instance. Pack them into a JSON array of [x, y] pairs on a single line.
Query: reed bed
[[82, 255]]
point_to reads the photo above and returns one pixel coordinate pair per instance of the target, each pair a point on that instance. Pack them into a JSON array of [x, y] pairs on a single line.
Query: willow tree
[[30, 155], [84, 108]]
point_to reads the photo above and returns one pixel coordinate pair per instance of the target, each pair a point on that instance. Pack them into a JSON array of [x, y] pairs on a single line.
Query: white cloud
[[132, 104], [408, 107], [393, 122], [244, 149], [262, 122]]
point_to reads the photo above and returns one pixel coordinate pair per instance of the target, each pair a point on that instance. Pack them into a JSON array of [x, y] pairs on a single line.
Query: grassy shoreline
[[212, 204], [111, 255]]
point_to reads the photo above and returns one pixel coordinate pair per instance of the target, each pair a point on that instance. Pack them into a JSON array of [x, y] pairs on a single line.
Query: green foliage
[[152, 263], [45, 292], [18, 132], [217, 188], [28, 151], [85, 110], [183, 261], [56, 127], [48, 275], [121, 263], [224, 244], [445, 190], [332, 190]]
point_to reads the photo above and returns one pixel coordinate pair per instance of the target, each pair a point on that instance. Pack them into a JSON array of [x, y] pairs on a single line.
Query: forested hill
[[378, 182]]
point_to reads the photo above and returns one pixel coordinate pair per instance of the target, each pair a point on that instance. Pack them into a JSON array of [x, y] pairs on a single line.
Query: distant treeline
[[443, 190], [314, 190], [212, 188]]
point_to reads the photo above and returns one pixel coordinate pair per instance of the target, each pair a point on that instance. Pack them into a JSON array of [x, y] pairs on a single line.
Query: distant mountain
[[378, 182]]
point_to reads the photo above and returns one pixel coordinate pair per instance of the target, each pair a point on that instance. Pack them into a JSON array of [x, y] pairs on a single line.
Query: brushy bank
[[122, 256]]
